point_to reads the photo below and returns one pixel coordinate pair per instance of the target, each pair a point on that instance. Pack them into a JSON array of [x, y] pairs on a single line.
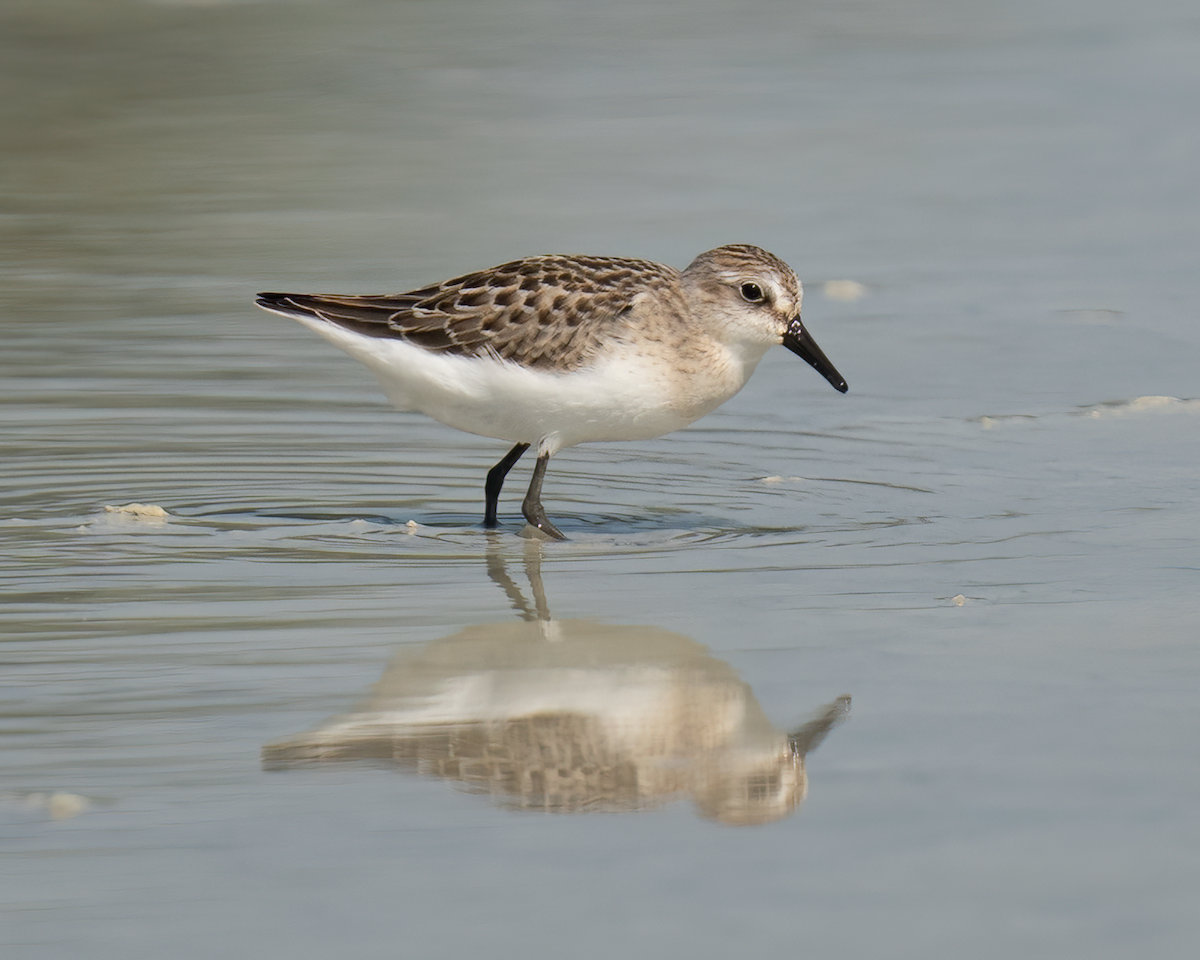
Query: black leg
[[534, 512], [495, 480]]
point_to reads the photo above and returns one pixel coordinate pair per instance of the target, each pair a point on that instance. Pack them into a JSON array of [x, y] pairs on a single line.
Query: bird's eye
[[752, 293]]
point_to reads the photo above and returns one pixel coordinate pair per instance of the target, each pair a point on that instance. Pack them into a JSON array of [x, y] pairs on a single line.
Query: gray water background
[[992, 542]]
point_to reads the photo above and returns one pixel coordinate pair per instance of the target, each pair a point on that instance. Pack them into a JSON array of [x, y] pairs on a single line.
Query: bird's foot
[[536, 515]]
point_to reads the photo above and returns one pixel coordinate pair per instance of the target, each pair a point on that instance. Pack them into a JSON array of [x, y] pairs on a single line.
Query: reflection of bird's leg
[[499, 575], [533, 570], [534, 512], [495, 480], [809, 736]]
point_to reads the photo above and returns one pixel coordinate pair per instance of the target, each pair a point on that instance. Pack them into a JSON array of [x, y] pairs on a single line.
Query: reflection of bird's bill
[[808, 737]]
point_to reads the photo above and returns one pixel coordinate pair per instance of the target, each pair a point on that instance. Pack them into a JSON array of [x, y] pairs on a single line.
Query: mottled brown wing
[[548, 312]]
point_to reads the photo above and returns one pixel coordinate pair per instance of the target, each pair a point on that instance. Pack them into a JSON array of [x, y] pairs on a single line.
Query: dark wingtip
[[270, 299]]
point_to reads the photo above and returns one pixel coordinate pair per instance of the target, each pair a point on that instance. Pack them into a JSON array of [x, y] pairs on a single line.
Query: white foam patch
[[140, 511], [131, 516], [1138, 406], [846, 290], [57, 806]]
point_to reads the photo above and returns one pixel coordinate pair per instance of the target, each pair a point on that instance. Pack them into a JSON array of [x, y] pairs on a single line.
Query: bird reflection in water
[[573, 716]]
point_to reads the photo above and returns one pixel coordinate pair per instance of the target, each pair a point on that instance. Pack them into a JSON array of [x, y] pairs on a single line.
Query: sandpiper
[[558, 350]]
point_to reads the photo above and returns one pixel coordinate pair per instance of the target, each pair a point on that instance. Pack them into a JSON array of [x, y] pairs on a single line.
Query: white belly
[[624, 396]]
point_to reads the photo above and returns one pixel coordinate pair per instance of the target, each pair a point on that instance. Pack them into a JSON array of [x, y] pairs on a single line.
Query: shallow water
[[990, 544]]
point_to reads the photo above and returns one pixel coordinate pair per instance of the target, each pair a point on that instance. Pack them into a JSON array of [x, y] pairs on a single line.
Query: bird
[[558, 350]]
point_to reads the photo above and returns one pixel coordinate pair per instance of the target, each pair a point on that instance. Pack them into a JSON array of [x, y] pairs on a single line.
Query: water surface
[[989, 544]]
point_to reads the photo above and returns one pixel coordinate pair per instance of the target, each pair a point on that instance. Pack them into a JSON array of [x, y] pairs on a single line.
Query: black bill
[[798, 340]]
